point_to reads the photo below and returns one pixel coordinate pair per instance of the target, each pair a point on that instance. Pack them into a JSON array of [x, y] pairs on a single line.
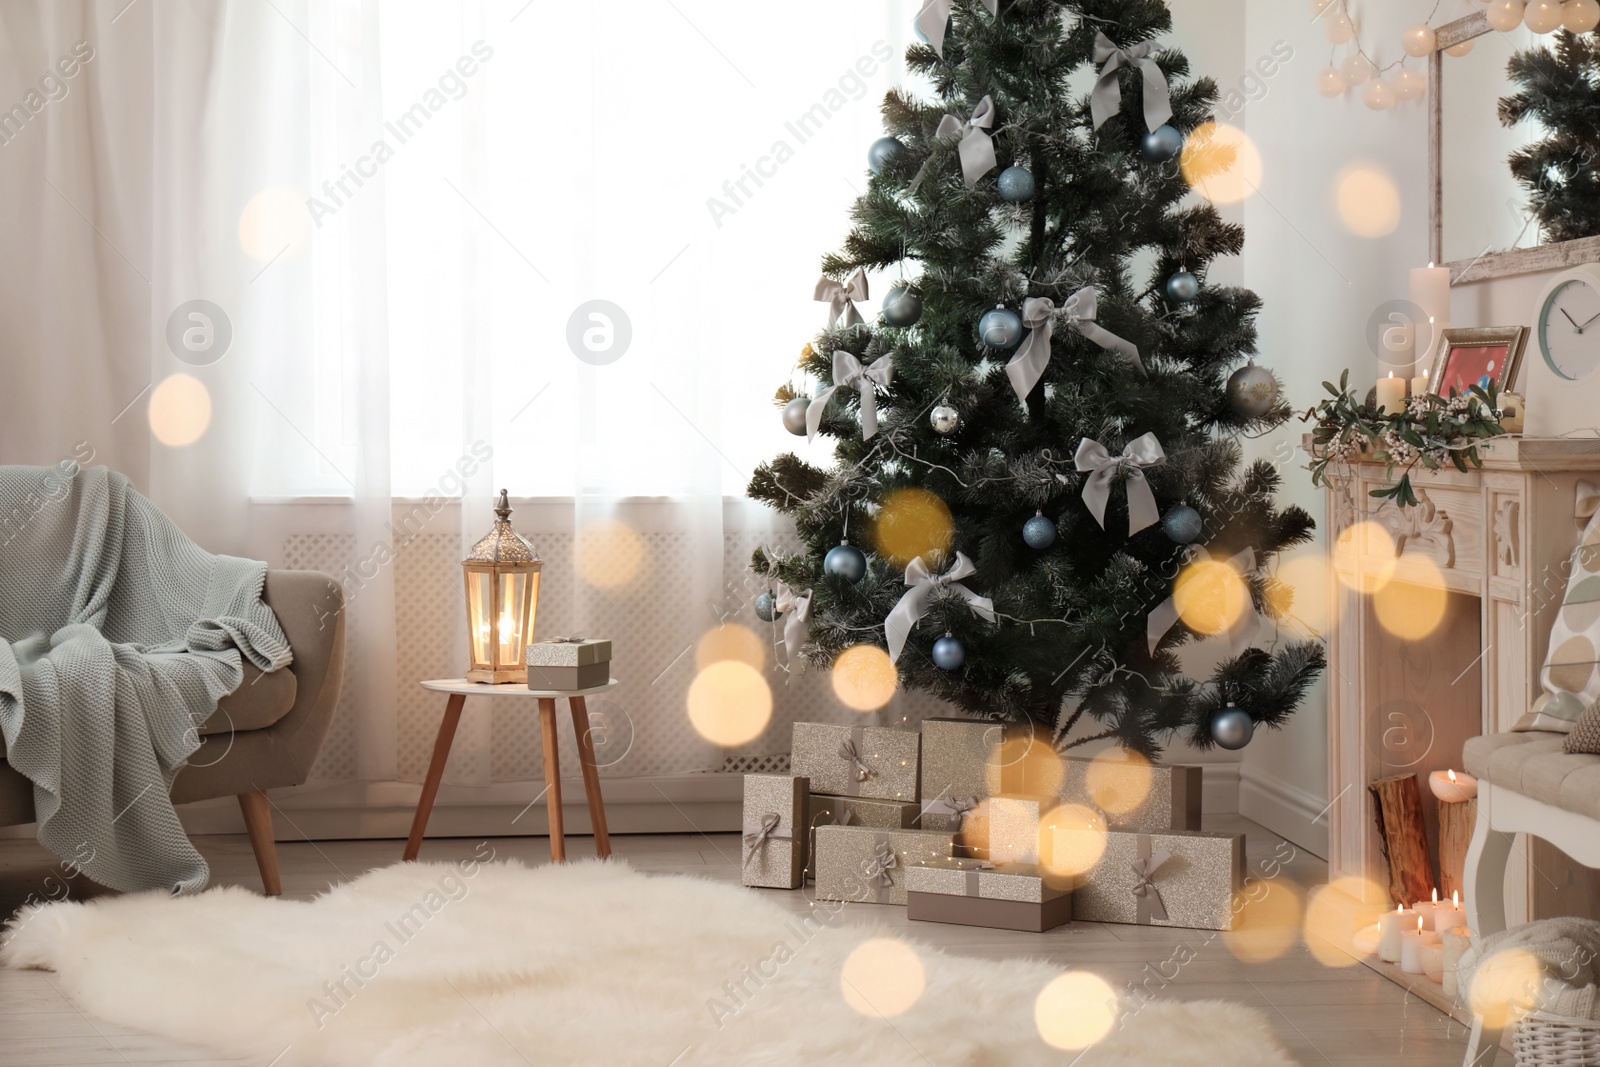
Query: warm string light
[[1357, 68]]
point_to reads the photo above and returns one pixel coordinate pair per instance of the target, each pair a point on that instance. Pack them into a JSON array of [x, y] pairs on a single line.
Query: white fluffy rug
[[586, 963]]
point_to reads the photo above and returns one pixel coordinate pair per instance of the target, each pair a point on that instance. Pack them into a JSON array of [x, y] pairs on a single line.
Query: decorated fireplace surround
[[1502, 538]]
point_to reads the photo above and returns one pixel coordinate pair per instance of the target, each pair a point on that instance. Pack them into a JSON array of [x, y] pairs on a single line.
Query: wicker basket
[[1544, 1040]]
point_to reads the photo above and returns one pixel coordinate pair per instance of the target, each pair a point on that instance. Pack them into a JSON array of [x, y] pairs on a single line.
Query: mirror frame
[[1491, 264]]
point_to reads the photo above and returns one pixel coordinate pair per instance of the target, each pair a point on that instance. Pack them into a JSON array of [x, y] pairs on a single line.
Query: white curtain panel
[[564, 249]]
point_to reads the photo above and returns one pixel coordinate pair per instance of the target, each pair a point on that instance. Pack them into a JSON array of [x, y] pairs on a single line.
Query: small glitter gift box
[[972, 892], [856, 761], [1135, 794], [856, 811], [1177, 878], [865, 863], [579, 663], [773, 850], [954, 755]]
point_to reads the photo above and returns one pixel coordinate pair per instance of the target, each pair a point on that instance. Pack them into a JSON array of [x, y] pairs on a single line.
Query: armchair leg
[[258, 820]]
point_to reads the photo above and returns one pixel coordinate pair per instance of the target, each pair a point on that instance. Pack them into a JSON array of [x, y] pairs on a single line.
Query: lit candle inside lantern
[[1453, 788], [1419, 384], [1391, 924], [1392, 393]]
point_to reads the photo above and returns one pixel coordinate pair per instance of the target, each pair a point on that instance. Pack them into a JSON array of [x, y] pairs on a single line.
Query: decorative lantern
[[502, 573]]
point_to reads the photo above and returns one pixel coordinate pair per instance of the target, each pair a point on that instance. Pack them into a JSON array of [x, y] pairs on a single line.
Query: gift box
[[1134, 794], [1007, 829], [564, 665], [856, 761], [773, 850], [855, 811], [1176, 878], [866, 863], [972, 892], [955, 753]]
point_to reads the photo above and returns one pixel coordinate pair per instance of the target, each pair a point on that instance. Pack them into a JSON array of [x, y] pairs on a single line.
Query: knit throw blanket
[[118, 636], [1567, 954]]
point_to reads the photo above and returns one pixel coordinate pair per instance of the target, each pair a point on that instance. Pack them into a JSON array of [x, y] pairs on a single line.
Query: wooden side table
[[459, 689]]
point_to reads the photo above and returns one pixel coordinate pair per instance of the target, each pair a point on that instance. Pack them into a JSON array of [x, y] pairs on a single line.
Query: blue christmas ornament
[[902, 307], [1039, 532], [1182, 524], [1000, 328], [1016, 185], [1161, 144], [766, 607], [845, 561], [1231, 728], [948, 653], [1183, 287], [884, 150]]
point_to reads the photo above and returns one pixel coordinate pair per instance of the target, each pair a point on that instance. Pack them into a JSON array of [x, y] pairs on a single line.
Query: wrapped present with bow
[[1133, 793], [955, 753], [856, 761], [1179, 878], [856, 811], [970, 892], [773, 847], [569, 663], [868, 864]]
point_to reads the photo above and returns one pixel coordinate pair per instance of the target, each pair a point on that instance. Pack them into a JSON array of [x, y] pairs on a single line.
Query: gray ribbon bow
[[1240, 634], [755, 839], [914, 604], [841, 298], [945, 804], [977, 147], [795, 610], [1103, 468], [1038, 315], [1148, 904], [884, 860], [935, 13], [849, 372], [852, 754], [573, 640], [1106, 100]]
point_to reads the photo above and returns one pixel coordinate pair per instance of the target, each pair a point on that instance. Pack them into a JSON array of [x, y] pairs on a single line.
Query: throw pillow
[[1571, 673]]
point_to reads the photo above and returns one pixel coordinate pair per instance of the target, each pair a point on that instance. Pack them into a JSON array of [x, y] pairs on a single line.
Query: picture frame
[[1466, 355]]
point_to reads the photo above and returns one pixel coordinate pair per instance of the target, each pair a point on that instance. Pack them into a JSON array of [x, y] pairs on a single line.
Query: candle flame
[[1430, 264], [1455, 898], [1436, 894], [1419, 924], [1398, 908], [1391, 374]]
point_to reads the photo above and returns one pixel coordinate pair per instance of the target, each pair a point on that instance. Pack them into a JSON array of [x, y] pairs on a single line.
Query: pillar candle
[[1456, 943], [1448, 914], [1392, 393], [1453, 787], [1430, 290], [1390, 925], [1433, 962], [1411, 946], [1400, 342], [1419, 384], [1426, 909]]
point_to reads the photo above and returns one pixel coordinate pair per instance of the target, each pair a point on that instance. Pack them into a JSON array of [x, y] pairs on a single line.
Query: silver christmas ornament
[[766, 607], [794, 416], [884, 151], [1016, 185], [1000, 328], [1161, 144], [1231, 728], [1183, 287], [1252, 391], [902, 307], [1039, 532], [1181, 524], [948, 653], [846, 561], [944, 418]]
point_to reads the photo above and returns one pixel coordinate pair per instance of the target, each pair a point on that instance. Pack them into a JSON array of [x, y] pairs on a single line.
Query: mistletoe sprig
[[1431, 430]]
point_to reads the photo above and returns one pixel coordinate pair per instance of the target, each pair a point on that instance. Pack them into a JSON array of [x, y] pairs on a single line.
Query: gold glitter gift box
[[773, 849], [856, 761], [579, 663], [855, 811], [1134, 794], [1176, 878], [866, 863], [954, 755], [972, 892]]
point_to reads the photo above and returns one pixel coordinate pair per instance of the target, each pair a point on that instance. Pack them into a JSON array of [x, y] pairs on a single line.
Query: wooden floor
[[1342, 1016]]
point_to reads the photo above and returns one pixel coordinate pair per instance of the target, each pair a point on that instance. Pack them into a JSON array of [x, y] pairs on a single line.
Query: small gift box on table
[[569, 663], [865, 863], [1177, 878], [773, 850], [856, 761], [1135, 794], [972, 892], [856, 811]]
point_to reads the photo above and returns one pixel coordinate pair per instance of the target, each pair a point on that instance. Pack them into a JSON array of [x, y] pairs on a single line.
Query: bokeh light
[[275, 223], [1369, 202], [1206, 163], [882, 977], [1210, 596], [1266, 921], [1077, 838], [912, 523], [1334, 914], [1363, 556], [1303, 593], [1119, 780], [1025, 762], [864, 678], [730, 703], [1075, 1010], [1411, 604], [730, 641], [1505, 985], [609, 553], [180, 410]]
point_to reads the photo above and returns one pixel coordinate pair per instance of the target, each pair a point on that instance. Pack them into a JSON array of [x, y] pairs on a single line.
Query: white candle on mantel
[[1453, 788], [1456, 943], [1391, 924], [1430, 290], [1433, 963], [1447, 914], [1392, 393], [1426, 909], [1411, 944], [1419, 384]]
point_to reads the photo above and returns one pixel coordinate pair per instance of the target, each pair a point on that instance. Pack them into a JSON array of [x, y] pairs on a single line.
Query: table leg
[[552, 778], [430, 784], [591, 776]]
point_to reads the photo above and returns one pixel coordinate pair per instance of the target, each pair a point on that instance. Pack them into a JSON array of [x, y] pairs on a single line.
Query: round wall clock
[[1567, 319]]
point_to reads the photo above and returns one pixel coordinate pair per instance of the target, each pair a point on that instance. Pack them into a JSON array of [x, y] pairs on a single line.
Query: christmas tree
[[1561, 172], [1039, 470]]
